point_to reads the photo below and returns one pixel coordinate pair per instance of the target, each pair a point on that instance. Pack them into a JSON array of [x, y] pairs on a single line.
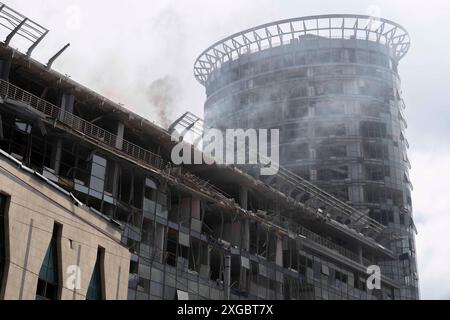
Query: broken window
[[82, 169], [181, 208], [340, 192], [326, 108], [196, 220], [332, 173], [373, 109], [41, 155], [138, 187], [290, 256], [382, 216], [377, 194], [262, 241], [294, 131], [183, 254], [297, 91], [291, 288], [330, 151], [328, 88], [375, 151], [3, 200], [155, 201], [295, 152], [359, 281], [159, 238], [302, 264], [20, 140], [147, 237], [150, 196], [340, 276], [330, 130], [171, 247], [296, 109], [371, 129], [245, 275], [198, 255], [216, 265], [185, 212], [253, 237], [376, 172], [272, 247], [374, 194]]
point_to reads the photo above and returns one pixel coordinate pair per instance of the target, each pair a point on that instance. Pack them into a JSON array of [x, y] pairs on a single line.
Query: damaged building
[[330, 84], [185, 232]]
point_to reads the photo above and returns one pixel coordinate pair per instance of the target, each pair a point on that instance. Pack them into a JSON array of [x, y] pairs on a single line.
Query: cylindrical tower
[[330, 84]]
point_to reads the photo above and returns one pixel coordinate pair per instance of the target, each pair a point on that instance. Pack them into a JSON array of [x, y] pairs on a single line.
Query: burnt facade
[[331, 85], [192, 232]]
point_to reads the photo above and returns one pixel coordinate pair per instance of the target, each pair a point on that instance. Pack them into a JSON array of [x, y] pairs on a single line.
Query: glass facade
[[336, 103], [340, 114]]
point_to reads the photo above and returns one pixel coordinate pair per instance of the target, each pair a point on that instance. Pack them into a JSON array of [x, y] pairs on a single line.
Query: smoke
[[163, 94]]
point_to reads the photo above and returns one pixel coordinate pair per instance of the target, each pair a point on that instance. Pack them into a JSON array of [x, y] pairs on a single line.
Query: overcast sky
[[129, 50]]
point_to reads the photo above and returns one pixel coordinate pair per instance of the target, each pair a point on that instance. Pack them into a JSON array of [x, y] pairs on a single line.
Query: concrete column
[[116, 177], [227, 276], [360, 253], [5, 67], [56, 156], [279, 252], [119, 145], [245, 241], [119, 135], [67, 104], [243, 202], [243, 197]]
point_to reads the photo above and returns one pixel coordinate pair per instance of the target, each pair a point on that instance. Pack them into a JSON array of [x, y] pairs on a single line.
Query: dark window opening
[[375, 151], [216, 265], [3, 201], [340, 276], [296, 109], [332, 173], [295, 152], [373, 129], [171, 249], [330, 130], [48, 282], [329, 108], [377, 172], [95, 289], [331, 151], [293, 131]]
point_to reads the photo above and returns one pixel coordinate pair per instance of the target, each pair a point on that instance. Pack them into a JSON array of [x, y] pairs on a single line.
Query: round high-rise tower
[[330, 84]]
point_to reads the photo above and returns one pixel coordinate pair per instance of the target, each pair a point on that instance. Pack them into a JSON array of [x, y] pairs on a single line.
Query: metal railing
[[310, 235], [9, 91], [290, 31], [359, 220]]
